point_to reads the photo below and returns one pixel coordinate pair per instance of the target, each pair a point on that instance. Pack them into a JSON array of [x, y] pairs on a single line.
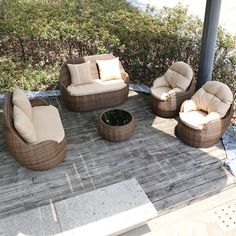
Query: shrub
[[27, 77], [37, 36]]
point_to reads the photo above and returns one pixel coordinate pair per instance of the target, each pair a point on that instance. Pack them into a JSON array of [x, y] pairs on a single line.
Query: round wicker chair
[[41, 156], [96, 101], [214, 104], [208, 136], [170, 106]]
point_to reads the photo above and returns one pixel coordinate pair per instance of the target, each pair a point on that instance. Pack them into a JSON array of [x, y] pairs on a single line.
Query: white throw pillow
[[21, 101], [109, 69], [24, 125], [80, 73]]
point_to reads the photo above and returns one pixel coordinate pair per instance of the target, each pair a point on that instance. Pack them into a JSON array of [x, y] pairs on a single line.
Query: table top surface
[[116, 117]]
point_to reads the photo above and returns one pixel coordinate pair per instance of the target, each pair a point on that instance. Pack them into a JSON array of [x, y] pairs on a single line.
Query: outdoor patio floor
[[171, 173]]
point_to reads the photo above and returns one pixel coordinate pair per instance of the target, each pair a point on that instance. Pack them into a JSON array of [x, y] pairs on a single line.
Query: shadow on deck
[[171, 173]]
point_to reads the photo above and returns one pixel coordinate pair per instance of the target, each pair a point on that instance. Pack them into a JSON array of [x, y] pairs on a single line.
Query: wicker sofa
[[204, 118], [41, 155], [104, 98], [172, 89]]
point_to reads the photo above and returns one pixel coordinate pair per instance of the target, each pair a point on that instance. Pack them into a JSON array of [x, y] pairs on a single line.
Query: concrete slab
[[36, 222], [106, 211], [198, 219]]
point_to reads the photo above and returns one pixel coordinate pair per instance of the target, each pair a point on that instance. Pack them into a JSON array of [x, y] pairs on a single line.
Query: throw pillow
[[21, 101], [109, 69], [80, 73], [24, 126]]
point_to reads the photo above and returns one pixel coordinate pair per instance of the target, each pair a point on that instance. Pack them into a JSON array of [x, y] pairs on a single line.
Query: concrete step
[[107, 211]]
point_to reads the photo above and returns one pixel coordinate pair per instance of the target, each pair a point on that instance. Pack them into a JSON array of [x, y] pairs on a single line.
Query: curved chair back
[[183, 69], [214, 96], [180, 75]]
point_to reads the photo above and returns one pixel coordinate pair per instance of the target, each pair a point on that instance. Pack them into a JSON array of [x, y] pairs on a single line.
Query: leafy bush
[[27, 77], [37, 36]]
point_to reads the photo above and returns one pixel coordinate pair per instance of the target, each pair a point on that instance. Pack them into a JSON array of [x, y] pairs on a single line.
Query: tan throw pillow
[[21, 101], [109, 69], [24, 126], [80, 73]]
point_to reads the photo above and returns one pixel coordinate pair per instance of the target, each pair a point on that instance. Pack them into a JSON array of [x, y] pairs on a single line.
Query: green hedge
[[37, 36]]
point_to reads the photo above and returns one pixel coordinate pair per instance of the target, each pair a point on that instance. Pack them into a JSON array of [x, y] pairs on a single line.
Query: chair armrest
[[125, 77], [64, 90], [175, 90], [160, 82], [38, 102], [212, 116], [188, 105]]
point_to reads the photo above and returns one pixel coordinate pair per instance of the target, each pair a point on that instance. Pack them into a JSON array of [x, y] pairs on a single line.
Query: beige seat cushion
[[109, 69], [47, 123], [80, 73], [24, 126], [193, 119], [98, 86], [21, 101], [214, 96]]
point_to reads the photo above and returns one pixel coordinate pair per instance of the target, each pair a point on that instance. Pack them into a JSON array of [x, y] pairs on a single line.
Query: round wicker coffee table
[[116, 125]]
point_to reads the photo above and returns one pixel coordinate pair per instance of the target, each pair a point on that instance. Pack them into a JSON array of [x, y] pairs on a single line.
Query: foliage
[[37, 36], [27, 77]]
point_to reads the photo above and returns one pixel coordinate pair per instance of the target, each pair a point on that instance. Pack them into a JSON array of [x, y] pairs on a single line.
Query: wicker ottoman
[[116, 125]]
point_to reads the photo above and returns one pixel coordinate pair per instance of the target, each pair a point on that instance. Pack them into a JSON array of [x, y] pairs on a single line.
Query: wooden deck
[[171, 173]]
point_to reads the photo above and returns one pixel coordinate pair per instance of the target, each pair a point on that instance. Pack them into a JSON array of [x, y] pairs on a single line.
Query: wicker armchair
[[210, 118], [170, 91], [95, 101], [41, 156]]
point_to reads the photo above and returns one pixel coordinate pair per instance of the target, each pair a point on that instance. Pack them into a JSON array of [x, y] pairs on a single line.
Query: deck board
[[171, 173]]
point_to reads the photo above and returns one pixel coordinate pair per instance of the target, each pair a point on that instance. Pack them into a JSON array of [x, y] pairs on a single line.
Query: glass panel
[[116, 117]]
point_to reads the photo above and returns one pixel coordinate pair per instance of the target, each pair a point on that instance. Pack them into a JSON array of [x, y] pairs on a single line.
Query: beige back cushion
[[24, 126], [21, 101], [179, 75], [109, 69], [80, 73], [214, 96]]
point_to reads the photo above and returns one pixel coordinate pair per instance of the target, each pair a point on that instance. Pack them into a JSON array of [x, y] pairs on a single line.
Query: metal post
[[209, 36]]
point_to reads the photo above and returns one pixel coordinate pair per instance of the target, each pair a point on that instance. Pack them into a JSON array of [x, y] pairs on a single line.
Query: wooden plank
[[196, 193], [164, 166]]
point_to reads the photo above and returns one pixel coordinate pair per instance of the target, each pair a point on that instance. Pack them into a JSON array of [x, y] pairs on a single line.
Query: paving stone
[[41, 221], [116, 208]]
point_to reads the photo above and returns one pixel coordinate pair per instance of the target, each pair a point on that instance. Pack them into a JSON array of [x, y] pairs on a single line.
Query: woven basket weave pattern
[[116, 133]]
